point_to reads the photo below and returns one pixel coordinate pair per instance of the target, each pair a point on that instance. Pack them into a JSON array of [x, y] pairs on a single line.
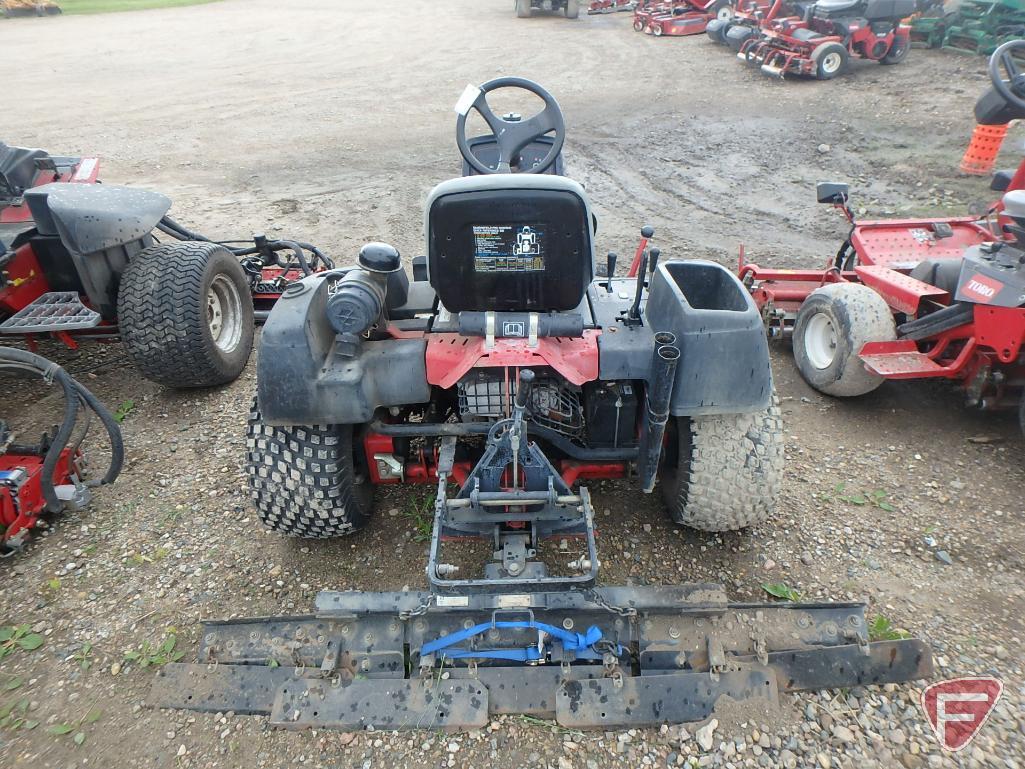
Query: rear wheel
[[523, 8], [898, 51], [716, 30], [723, 10], [572, 9], [830, 60], [656, 30], [723, 472], [832, 326], [186, 315], [307, 481]]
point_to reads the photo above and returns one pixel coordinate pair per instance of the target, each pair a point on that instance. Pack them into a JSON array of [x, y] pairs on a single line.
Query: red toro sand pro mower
[[81, 260], [524, 8], [502, 374], [912, 299], [678, 19], [821, 43], [48, 475], [610, 6], [749, 18]]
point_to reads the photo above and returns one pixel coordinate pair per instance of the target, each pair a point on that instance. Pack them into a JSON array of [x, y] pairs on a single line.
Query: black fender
[[301, 380], [101, 227], [724, 363]]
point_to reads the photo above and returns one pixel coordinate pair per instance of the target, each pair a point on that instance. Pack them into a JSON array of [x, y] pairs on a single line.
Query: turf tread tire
[[161, 309], [303, 480], [858, 315], [726, 471]]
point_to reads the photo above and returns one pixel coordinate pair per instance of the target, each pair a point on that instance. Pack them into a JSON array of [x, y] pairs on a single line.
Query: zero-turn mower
[[81, 260], [914, 299], [502, 375], [821, 43], [48, 476]]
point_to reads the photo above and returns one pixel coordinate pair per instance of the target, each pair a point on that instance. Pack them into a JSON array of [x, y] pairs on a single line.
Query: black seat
[[940, 273], [879, 10], [827, 9], [807, 35], [17, 169]]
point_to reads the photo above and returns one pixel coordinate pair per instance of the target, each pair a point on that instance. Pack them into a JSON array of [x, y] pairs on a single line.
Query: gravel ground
[[331, 122]]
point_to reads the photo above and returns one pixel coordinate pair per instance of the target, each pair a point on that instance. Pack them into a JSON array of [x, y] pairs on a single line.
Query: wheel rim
[[224, 313], [831, 63], [656, 31], [820, 341], [725, 13]]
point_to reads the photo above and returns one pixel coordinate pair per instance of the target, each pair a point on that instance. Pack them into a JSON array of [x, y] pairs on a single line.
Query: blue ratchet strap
[[570, 641]]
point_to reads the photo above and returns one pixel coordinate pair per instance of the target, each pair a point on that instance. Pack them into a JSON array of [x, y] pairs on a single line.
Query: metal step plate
[[395, 704], [53, 311]]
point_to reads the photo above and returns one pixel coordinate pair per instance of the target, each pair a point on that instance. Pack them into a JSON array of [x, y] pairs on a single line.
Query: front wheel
[[572, 9], [722, 10], [832, 326], [830, 60], [307, 481], [723, 472], [185, 314]]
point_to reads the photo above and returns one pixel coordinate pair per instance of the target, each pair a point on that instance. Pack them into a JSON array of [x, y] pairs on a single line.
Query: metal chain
[[623, 611], [419, 611]]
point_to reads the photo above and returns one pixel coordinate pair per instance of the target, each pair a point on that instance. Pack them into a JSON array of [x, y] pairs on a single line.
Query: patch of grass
[[420, 512], [83, 657], [875, 498], [59, 730], [881, 629], [114, 6]]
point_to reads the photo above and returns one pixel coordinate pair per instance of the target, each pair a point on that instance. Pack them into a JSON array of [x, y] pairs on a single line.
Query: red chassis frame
[[22, 503], [779, 52], [674, 19], [886, 251]]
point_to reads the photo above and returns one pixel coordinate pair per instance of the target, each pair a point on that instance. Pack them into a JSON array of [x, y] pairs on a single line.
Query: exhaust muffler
[[659, 392]]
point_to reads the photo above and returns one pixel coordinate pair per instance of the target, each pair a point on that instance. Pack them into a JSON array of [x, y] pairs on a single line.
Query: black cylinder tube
[[659, 392]]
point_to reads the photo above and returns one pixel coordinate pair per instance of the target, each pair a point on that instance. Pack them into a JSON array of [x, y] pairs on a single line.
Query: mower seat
[[509, 243], [829, 9], [940, 273], [17, 169], [807, 35]]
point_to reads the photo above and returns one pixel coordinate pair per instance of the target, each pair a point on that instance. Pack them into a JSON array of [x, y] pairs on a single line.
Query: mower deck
[[383, 660]]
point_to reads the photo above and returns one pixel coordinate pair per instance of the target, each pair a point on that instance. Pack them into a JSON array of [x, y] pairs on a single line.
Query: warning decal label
[[508, 248]]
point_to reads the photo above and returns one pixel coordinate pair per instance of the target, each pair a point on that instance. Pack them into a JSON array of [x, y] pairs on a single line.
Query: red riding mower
[[501, 375], [821, 43], [610, 6], [749, 18], [48, 476], [81, 260], [677, 19], [913, 299]]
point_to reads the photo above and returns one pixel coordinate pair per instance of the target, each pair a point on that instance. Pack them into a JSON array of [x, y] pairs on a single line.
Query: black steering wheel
[[1013, 89], [511, 136]]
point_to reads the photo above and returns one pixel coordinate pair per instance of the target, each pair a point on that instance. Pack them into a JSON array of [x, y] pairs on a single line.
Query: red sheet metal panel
[[903, 243]]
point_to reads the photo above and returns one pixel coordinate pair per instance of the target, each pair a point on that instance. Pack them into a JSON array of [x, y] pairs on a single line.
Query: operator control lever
[[523, 386], [654, 255], [610, 269], [634, 316]]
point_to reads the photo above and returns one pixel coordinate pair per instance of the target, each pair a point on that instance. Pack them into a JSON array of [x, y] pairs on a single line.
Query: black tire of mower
[[718, 10], [716, 31], [898, 51], [737, 35], [857, 315], [572, 9], [723, 472], [819, 57], [162, 314], [523, 9], [307, 482]]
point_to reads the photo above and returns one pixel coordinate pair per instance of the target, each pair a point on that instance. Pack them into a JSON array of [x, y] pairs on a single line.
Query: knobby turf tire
[[162, 314], [308, 481], [723, 472]]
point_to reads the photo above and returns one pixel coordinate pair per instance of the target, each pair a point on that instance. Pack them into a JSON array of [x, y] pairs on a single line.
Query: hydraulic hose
[[74, 393], [179, 231]]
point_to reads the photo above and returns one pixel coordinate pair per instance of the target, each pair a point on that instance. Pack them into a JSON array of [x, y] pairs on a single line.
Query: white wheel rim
[[820, 341], [831, 63], [224, 313], [725, 13], [657, 31]]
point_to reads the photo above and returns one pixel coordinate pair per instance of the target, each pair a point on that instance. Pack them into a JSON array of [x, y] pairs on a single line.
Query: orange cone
[[981, 155]]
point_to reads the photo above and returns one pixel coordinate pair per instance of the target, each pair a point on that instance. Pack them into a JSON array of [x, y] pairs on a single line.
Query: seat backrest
[[509, 242], [17, 169]]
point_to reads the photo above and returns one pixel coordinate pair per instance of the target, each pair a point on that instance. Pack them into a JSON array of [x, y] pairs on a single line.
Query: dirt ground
[[330, 121]]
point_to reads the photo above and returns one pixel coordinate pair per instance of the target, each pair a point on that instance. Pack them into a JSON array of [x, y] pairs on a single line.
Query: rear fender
[[301, 381], [724, 356]]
